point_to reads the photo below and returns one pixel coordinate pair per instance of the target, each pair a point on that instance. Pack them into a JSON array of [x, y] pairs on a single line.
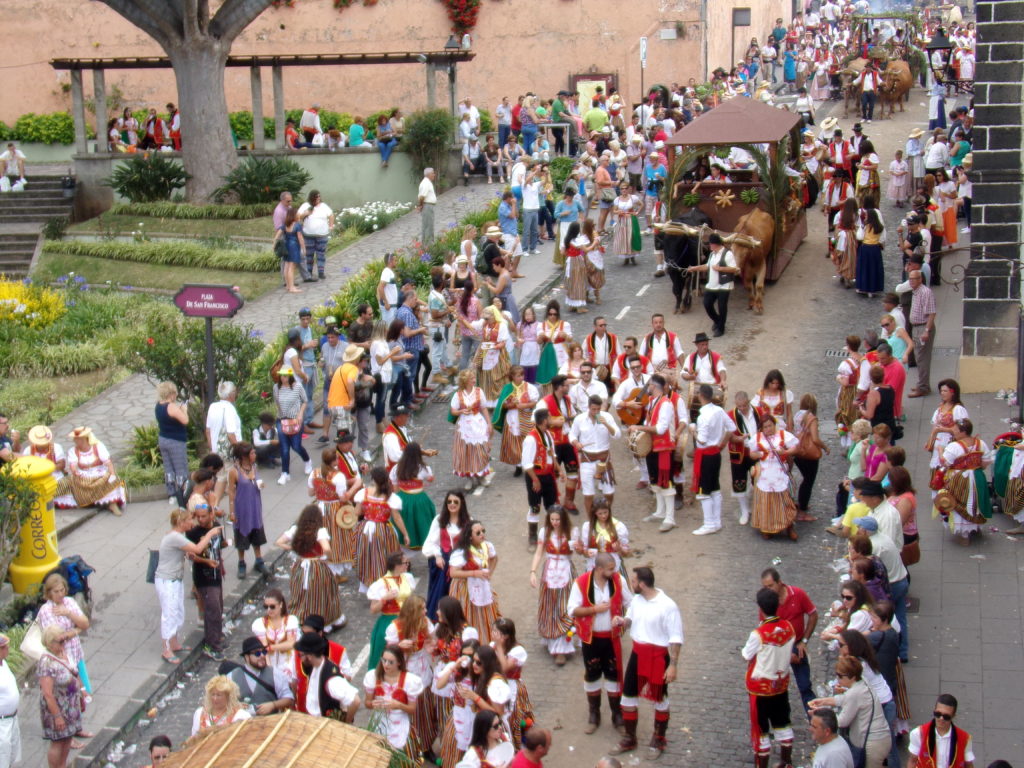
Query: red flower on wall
[[463, 14]]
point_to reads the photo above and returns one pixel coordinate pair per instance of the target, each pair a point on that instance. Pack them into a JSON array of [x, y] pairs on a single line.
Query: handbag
[[608, 195], [911, 553], [808, 449], [32, 643], [154, 561], [281, 249], [291, 426]]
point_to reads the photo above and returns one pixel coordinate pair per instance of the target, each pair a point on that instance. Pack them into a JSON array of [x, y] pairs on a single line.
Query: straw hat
[[346, 516], [85, 432], [493, 232], [916, 133], [353, 352], [829, 123], [40, 435]]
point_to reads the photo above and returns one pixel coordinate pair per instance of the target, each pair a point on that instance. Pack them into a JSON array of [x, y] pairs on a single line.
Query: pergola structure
[[433, 61]]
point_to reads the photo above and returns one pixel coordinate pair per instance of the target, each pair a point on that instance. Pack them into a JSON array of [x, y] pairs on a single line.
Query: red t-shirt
[[516, 125], [796, 607], [522, 761], [896, 377]]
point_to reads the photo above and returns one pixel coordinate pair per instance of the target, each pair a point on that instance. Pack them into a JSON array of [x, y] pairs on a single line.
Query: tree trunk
[[207, 149]]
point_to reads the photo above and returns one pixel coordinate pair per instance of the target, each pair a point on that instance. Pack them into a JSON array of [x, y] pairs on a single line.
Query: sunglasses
[[456, 502], [496, 725], [270, 606], [257, 654], [849, 597], [552, 314], [943, 715]]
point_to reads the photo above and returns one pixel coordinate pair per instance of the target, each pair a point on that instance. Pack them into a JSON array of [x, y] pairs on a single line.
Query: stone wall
[[991, 307]]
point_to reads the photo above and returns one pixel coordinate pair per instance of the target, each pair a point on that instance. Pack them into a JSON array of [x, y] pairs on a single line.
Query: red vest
[[540, 458], [398, 694], [670, 347], [402, 442], [334, 654], [589, 352], [620, 373], [559, 434], [925, 758], [660, 442], [585, 624], [775, 632], [691, 364]]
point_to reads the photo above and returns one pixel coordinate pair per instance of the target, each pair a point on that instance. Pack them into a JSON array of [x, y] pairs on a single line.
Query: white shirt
[[310, 119], [626, 388], [886, 551], [722, 258], [656, 621], [474, 114], [658, 350], [222, 417], [937, 155], [602, 350], [603, 620], [531, 196], [426, 191], [701, 366], [529, 452], [504, 114], [579, 394], [317, 224], [666, 416], [387, 276], [10, 697], [337, 687], [10, 159], [432, 544], [713, 424], [594, 436], [834, 754], [888, 518], [942, 745]]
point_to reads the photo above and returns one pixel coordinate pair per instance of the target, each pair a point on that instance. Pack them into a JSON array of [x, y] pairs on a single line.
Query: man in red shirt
[[796, 608], [517, 126], [536, 744], [895, 376]]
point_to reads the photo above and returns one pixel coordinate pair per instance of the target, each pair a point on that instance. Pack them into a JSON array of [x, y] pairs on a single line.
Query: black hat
[[400, 411], [700, 337], [305, 312], [837, 132], [344, 436], [872, 488], [311, 642], [857, 126], [315, 622], [251, 645], [715, 239]]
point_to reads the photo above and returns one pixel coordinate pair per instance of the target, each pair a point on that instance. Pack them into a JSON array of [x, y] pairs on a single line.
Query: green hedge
[[51, 128], [172, 253], [187, 211]]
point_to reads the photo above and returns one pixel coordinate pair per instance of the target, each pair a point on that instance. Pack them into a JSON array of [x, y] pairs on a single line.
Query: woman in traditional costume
[[774, 510], [603, 533], [555, 545], [414, 634], [450, 632], [482, 688], [471, 451], [529, 348], [334, 484], [392, 693], [573, 247], [278, 630], [376, 539], [41, 444], [491, 360], [472, 568], [950, 411], [848, 376], [91, 474], [512, 658], [773, 399], [964, 499], [489, 747], [513, 416], [311, 585], [387, 595], [844, 243], [553, 335], [626, 243], [441, 541], [410, 477]]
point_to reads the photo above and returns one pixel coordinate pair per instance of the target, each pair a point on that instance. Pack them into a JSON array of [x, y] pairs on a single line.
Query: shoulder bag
[[808, 449]]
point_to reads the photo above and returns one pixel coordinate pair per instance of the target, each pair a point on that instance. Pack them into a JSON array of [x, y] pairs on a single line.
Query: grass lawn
[[45, 400], [98, 271], [198, 228]]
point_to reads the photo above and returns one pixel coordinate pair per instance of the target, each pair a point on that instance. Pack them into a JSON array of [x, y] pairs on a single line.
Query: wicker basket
[[289, 740]]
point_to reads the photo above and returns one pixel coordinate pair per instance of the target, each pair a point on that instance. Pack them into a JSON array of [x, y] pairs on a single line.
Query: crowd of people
[[155, 132]]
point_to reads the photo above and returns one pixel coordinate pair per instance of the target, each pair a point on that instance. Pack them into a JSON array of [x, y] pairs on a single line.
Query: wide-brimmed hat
[[85, 432], [251, 645], [700, 337], [40, 435], [462, 259], [829, 123], [493, 232], [659, 144], [916, 133], [346, 516], [353, 352], [637, 138], [330, 320], [310, 642]]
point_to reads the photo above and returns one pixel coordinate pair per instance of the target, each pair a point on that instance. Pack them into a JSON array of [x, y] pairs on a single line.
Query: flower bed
[[370, 217]]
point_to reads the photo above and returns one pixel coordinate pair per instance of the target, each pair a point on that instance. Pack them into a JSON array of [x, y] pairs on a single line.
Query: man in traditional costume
[[702, 366], [395, 437], [660, 422], [597, 598], [328, 693], [601, 348], [620, 369], [768, 652], [591, 436], [938, 743], [628, 399], [538, 463], [656, 628], [711, 432], [561, 414], [662, 347]]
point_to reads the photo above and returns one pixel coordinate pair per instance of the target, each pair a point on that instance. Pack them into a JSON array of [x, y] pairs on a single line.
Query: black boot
[[594, 720], [628, 741], [615, 705], [658, 740], [761, 761], [785, 756], [532, 535]]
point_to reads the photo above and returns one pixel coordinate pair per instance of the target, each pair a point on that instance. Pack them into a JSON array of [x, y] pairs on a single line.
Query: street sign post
[[643, 95], [208, 302]]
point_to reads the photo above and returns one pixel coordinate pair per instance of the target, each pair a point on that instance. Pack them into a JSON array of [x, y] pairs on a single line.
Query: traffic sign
[[208, 300], [643, 53]]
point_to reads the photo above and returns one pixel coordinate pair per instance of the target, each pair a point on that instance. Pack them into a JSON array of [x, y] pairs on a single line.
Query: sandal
[[85, 735], [172, 659], [803, 517]]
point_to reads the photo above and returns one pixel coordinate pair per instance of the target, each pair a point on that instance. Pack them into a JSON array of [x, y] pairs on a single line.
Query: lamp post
[[453, 45], [941, 71]]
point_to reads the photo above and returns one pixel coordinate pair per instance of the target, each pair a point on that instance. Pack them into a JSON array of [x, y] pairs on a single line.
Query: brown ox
[[896, 84], [851, 88], [751, 243]]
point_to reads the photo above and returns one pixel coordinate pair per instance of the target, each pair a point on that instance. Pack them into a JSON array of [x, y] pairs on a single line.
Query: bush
[[6, 134], [29, 306], [560, 168], [187, 211], [55, 228], [170, 253], [52, 128], [263, 179], [147, 177], [19, 496], [428, 134], [486, 123]]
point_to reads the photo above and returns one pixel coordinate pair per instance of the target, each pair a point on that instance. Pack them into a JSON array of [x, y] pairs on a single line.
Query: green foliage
[[263, 179], [55, 228], [560, 168], [428, 134], [188, 211], [486, 122], [135, 476], [16, 499], [691, 199], [241, 125], [176, 253], [20, 665], [147, 177], [6, 134], [145, 448], [370, 217], [51, 128], [242, 122]]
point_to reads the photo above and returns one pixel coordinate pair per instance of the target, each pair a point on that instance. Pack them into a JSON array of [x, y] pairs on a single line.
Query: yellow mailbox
[[37, 554]]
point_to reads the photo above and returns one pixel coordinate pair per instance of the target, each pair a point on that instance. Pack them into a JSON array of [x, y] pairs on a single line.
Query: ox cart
[[763, 204]]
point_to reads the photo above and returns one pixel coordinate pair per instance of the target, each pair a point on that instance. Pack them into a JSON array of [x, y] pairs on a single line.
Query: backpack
[[76, 572], [481, 263], [275, 369]]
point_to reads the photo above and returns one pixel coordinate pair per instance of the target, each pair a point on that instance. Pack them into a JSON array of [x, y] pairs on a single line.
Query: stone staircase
[[22, 216]]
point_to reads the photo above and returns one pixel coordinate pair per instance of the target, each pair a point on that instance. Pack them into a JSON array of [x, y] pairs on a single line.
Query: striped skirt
[[553, 620], [437, 712], [576, 281], [902, 699], [492, 380], [480, 617], [372, 554], [512, 446], [1014, 502], [343, 540], [312, 589], [470, 459], [522, 711], [622, 240], [773, 511], [450, 752], [846, 411]]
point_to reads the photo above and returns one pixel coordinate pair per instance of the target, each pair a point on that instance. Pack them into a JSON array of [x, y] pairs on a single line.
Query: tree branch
[[234, 16], [204, 16], [148, 16], [191, 19]]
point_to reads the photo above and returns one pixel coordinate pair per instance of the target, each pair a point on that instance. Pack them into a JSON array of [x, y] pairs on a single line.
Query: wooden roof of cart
[[289, 740], [737, 121]]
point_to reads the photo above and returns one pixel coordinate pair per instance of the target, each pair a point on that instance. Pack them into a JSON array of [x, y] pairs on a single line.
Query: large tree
[[198, 48]]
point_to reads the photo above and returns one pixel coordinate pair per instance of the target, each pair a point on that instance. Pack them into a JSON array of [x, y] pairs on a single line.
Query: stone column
[[99, 89], [256, 84], [452, 99], [278, 79], [991, 307], [78, 112]]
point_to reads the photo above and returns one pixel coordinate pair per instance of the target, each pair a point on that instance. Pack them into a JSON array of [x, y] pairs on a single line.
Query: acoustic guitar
[[631, 416]]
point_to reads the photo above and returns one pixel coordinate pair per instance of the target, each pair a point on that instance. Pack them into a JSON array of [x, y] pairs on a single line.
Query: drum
[[640, 444], [682, 439]]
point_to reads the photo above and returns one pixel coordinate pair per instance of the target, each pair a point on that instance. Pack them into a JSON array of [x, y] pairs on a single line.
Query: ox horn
[[746, 241], [678, 228]]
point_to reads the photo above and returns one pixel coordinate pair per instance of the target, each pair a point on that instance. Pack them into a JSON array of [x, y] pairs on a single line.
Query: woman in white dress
[[278, 630], [529, 348], [488, 745], [773, 508], [391, 694], [514, 416], [603, 533], [472, 568], [471, 452], [555, 544], [41, 444], [553, 335], [512, 659], [625, 210], [950, 411], [773, 399], [91, 473], [450, 634], [482, 688], [414, 634]]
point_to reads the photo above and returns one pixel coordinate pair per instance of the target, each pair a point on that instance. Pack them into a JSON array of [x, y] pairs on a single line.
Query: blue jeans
[[503, 133], [547, 218], [531, 232], [867, 105], [386, 147], [290, 443], [529, 136], [890, 717], [309, 385], [380, 400], [316, 246], [899, 599], [401, 389], [467, 351], [802, 676], [414, 370]]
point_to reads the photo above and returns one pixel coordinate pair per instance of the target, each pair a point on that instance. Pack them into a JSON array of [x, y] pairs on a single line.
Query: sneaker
[[322, 439], [172, 501], [283, 479], [241, 569], [261, 567], [307, 467], [965, 230], [704, 530], [212, 653], [366, 456]]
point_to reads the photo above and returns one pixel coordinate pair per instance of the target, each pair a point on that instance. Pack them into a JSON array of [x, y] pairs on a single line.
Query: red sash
[[410, 485], [662, 445], [650, 670], [558, 434], [698, 457], [572, 252]]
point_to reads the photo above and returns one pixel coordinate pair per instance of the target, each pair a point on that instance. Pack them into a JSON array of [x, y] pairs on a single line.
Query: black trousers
[[599, 660], [808, 474], [716, 304]]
